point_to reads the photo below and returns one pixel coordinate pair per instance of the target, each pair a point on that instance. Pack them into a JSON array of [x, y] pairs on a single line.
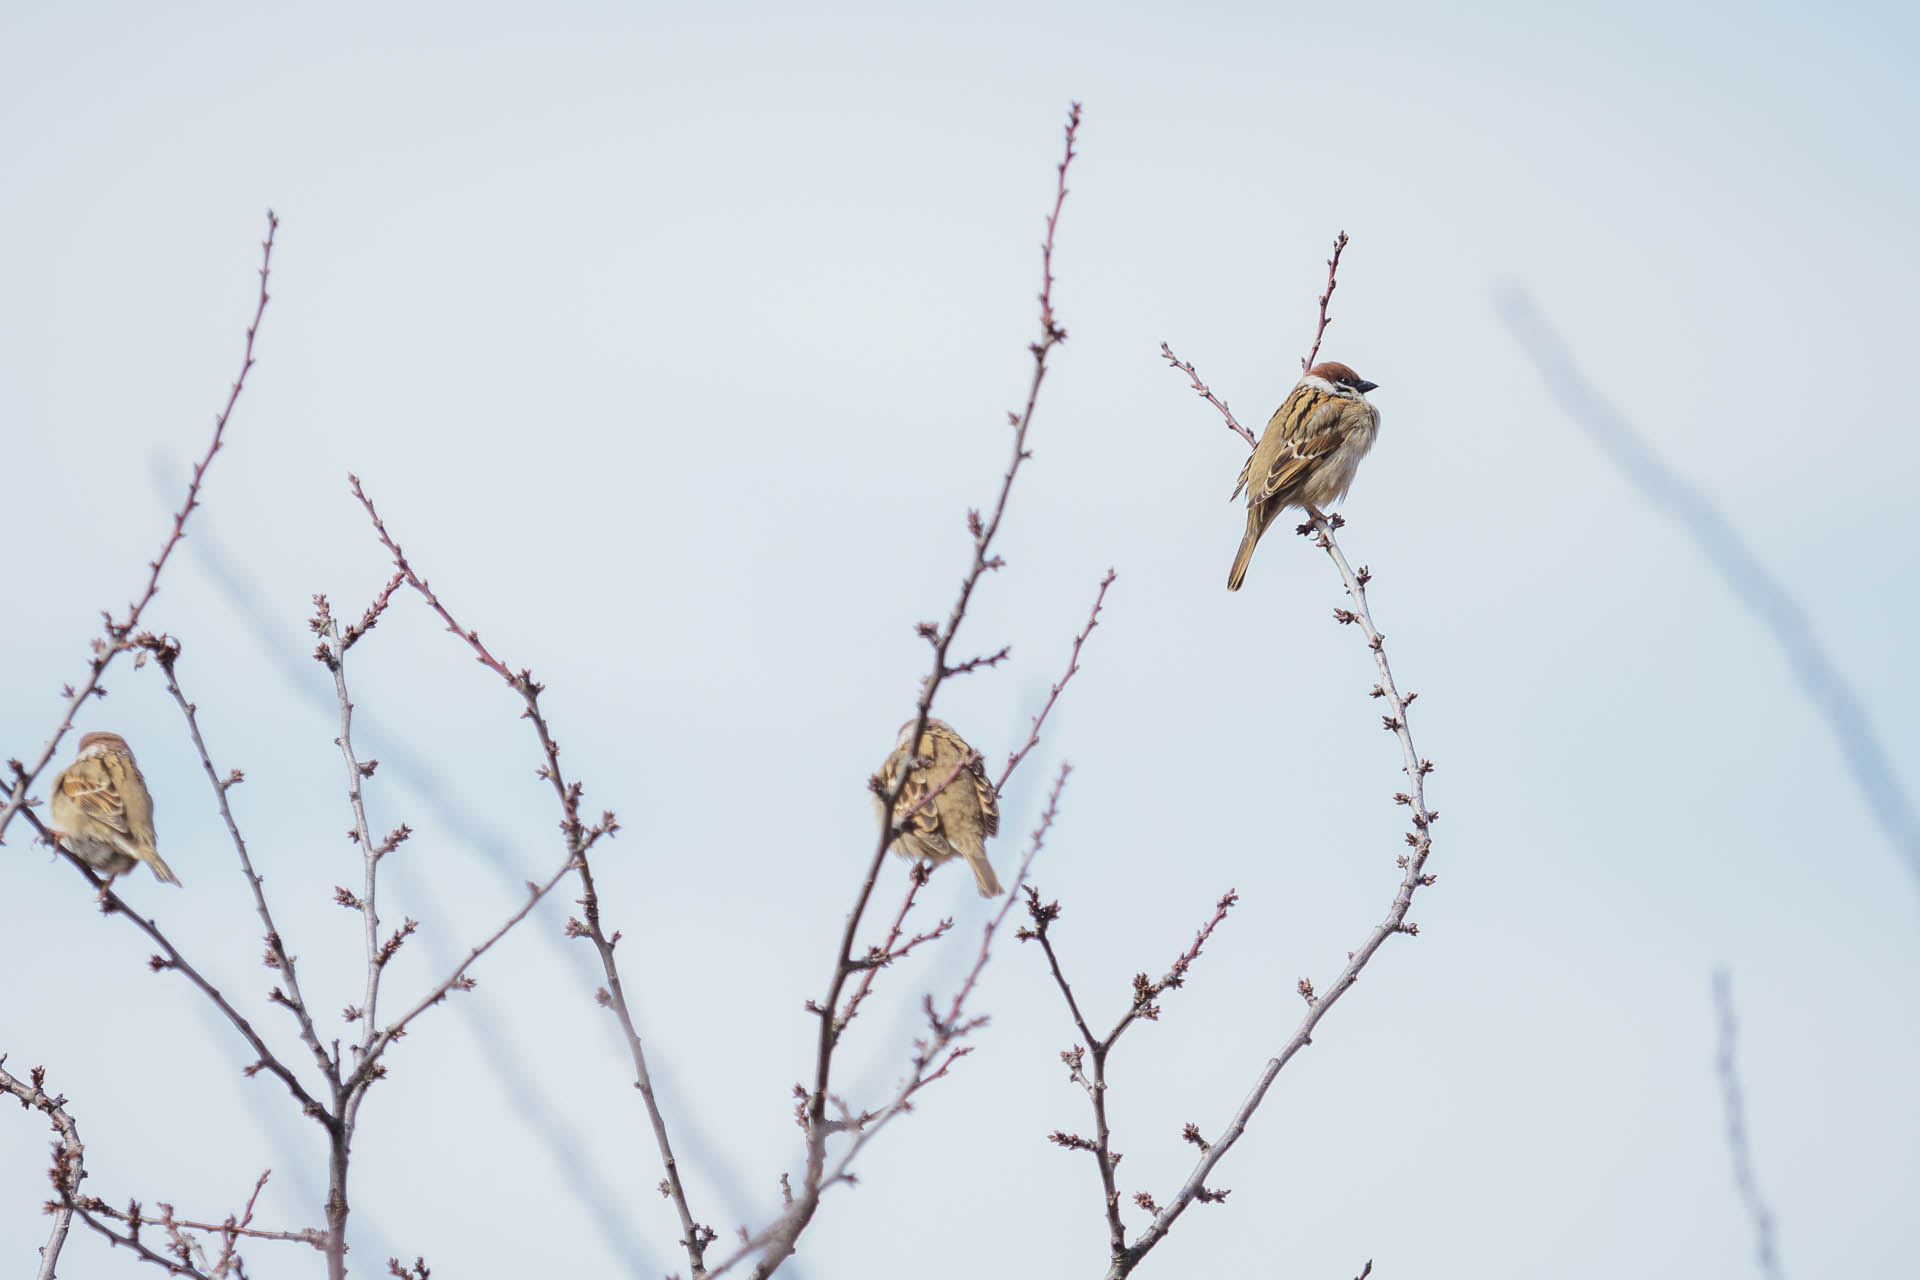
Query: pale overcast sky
[[675, 343]]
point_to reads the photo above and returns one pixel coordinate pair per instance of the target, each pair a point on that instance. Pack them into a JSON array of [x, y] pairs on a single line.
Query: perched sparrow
[[959, 819], [1307, 455], [101, 811]]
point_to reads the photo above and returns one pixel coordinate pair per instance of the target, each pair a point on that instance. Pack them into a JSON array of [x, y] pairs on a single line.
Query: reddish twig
[[1233, 424], [69, 1155], [1145, 992], [1013, 762], [117, 636], [779, 1240], [992, 928], [1333, 267], [232, 1229], [458, 980], [1053, 695], [884, 954], [69, 1170], [1415, 877], [938, 1047], [167, 653], [580, 839], [112, 903], [1413, 864]]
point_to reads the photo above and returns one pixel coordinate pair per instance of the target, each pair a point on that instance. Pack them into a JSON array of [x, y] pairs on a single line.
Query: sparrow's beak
[[1366, 386]]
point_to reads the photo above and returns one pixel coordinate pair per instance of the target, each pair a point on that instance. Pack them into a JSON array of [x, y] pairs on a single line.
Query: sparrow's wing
[[1241, 483], [135, 800], [1311, 432], [90, 789], [925, 821], [988, 799]]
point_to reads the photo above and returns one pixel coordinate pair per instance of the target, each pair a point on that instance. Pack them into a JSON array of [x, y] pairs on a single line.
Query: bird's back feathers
[[957, 821]]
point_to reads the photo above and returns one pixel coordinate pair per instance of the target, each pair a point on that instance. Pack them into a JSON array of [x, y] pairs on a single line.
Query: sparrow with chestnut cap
[[1308, 454]]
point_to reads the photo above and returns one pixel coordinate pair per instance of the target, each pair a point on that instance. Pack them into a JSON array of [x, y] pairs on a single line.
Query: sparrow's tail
[[1244, 556], [161, 870], [983, 875]]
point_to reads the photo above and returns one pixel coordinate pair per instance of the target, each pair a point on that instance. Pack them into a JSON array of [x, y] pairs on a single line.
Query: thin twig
[[1053, 694], [1145, 992], [458, 980], [1320, 331], [231, 1229], [1102, 1145], [1420, 844], [117, 634], [349, 1093], [265, 1059], [167, 652], [1419, 841], [1233, 424], [1766, 1251], [69, 1156], [69, 1170], [782, 1237], [580, 839], [884, 954], [921, 1072], [311, 1236]]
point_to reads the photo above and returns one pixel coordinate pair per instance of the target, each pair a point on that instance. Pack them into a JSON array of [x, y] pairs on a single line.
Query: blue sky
[[675, 345]]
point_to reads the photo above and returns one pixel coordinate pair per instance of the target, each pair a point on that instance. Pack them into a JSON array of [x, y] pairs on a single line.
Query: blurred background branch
[[1763, 594]]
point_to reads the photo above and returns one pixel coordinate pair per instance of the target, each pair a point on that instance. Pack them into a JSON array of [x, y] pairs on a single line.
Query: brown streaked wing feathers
[[927, 820], [1293, 466], [1305, 437], [96, 797], [138, 803], [989, 800]]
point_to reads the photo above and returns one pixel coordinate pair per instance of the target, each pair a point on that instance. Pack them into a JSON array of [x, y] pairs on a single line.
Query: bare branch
[[580, 839], [938, 1047], [780, 1239], [117, 633], [884, 954], [536, 893], [1145, 991], [265, 1059], [1233, 424], [332, 654], [1053, 695], [69, 1155], [1101, 1146], [167, 652], [1419, 842], [69, 1170], [1413, 863], [1320, 331]]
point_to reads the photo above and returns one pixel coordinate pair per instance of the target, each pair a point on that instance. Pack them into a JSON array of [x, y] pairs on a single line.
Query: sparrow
[[955, 822], [1307, 455], [101, 812]]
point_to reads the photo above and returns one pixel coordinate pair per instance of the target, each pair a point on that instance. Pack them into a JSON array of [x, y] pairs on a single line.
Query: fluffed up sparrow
[[1307, 455], [101, 811], [956, 822]]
